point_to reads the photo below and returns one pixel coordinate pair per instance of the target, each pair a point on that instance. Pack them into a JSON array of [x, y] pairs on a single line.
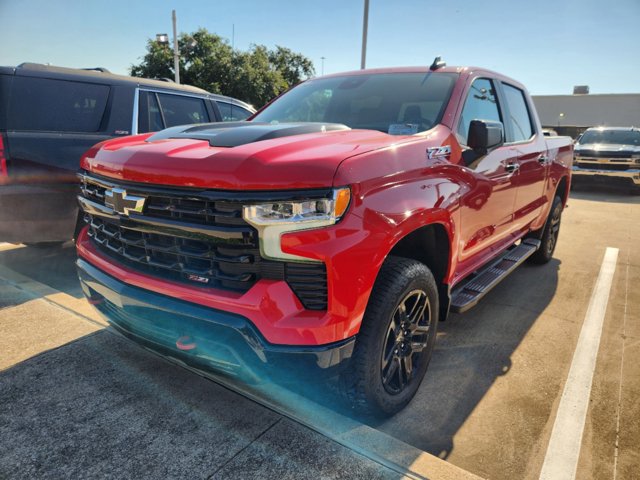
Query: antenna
[[437, 63]]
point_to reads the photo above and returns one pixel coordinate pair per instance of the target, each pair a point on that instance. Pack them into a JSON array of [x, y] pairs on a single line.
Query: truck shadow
[[52, 266], [472, 351]]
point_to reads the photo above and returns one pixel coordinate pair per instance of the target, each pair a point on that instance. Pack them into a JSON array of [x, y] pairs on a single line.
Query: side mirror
[[484, 136]]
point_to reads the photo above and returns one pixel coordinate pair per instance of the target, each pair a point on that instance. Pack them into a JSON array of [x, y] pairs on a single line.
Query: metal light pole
[[176, 55], [322, 68], [365, 26]]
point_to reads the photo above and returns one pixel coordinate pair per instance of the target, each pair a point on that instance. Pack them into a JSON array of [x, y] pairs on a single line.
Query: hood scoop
[[234, 134]]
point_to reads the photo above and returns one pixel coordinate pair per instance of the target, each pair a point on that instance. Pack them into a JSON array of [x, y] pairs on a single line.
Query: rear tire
[[396, 339], [549, 238]]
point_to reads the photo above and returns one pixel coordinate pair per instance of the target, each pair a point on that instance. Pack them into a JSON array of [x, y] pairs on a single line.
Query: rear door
[[529, 144], [50, 124]]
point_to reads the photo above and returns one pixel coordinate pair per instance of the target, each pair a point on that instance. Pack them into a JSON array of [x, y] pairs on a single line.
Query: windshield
[[396, 103], [619, 137]]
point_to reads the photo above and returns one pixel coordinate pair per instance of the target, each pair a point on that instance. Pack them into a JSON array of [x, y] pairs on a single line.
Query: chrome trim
[[632, 174], [169, 227], [202, 96], [136, 102]]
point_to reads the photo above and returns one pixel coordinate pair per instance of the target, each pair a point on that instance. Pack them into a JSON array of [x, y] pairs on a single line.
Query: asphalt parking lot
[[79, 401]]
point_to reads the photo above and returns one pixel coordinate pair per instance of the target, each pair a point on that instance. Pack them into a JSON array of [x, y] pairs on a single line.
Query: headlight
[[275, 218]]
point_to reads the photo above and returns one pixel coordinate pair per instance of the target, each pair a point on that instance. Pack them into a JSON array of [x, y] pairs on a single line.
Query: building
[[572, 114]]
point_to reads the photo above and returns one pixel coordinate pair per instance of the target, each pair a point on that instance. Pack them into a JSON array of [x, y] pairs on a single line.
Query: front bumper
[[202, 337], [630, 176]]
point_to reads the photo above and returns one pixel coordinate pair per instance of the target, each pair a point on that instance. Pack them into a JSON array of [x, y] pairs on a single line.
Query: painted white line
[[561, 460], [8, 246]]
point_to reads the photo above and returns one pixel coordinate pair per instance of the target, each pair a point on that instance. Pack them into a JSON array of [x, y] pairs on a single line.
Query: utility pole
[[365, 26], [176, 55]]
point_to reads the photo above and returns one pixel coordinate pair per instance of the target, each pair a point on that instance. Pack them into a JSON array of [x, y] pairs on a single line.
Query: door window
[[150, 118], [519, 117], [182, 110], [481, 104]]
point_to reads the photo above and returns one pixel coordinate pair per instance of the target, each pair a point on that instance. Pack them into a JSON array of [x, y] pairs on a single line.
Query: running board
[[471, 292]]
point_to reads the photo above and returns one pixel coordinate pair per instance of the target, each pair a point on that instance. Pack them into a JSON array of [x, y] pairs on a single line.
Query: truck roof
[[425, 69]]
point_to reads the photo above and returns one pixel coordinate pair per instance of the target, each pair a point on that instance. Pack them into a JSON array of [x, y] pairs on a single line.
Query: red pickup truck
[[332, 231]]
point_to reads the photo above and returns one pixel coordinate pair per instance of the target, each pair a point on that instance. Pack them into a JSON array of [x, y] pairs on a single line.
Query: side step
[[471, 292]]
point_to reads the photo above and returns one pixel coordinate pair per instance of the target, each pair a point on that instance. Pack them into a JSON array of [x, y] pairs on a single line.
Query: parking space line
[[8, 246], [563, 451]]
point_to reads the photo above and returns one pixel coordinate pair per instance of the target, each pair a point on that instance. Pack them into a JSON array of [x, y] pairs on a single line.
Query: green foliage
[[208, 61]]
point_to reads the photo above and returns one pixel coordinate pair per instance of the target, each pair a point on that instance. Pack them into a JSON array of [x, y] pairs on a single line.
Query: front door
[[486, 209]]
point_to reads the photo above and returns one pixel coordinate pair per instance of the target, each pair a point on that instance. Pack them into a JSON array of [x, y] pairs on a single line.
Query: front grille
[[606, 166], [202, 241], [603, 154], [186, 208]]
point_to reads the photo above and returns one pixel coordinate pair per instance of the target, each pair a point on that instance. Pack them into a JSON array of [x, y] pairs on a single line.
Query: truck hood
[[238, 156]]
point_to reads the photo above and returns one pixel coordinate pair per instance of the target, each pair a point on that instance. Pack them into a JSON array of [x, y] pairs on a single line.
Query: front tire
[[396, 339]]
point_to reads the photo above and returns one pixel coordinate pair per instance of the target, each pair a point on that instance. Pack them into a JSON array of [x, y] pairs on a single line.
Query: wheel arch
[[429, 244], [563, 189]]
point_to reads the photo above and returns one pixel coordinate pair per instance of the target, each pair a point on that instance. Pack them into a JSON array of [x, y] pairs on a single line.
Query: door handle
[[512, 167], [542, 159]]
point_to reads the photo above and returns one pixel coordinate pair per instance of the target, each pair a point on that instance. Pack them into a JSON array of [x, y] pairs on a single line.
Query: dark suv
[[49, 116]]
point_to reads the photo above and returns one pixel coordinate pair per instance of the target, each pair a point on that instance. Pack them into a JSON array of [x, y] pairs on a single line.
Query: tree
[[207, 61]]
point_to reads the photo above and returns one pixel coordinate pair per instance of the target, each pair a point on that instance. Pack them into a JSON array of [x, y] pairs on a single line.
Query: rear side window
[[519, 117], [182, 110], [481, 104], [56, 105], [232, 113]]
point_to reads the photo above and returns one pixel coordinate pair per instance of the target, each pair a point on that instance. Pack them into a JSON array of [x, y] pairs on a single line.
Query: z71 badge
[[439, 152]]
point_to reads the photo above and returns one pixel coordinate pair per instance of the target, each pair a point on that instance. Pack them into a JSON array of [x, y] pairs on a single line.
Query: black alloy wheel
[[555, 229], [395, 341], [407, 339]]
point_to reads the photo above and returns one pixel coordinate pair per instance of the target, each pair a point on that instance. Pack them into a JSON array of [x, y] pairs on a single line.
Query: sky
[[549, 46]]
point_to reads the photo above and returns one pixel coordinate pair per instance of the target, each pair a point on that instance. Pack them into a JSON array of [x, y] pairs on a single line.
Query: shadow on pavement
[[54, 266], [472, 351], [604, 193], [102, 407]]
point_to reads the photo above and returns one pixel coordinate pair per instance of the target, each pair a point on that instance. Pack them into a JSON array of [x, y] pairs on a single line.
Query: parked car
[[610, 155], [331, 232], [549, 132], [50, 115]]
